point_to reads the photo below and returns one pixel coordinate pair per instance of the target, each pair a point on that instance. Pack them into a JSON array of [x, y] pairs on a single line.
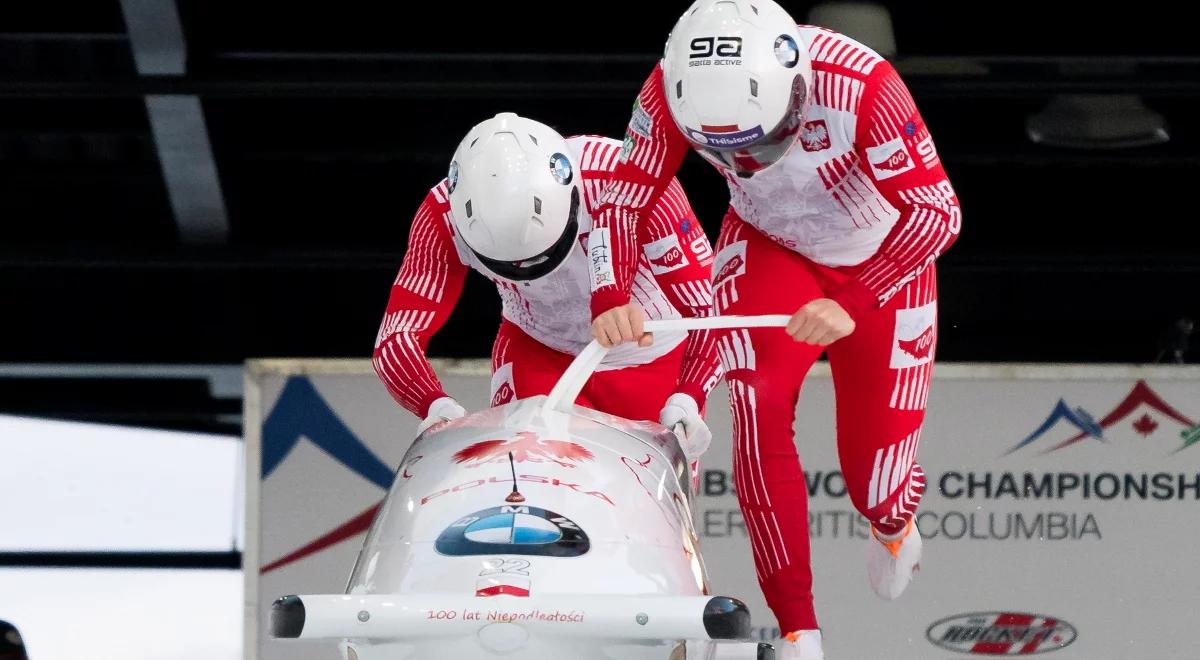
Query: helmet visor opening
[[745, 161]]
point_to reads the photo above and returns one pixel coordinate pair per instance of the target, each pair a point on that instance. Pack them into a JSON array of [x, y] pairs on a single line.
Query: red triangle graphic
[[1141, 393], [356, 525]]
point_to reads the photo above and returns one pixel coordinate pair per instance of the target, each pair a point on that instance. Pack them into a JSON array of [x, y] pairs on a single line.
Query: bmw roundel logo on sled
[[513, 530]]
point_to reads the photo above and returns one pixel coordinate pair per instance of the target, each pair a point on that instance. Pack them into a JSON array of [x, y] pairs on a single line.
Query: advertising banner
[[1060, 515]]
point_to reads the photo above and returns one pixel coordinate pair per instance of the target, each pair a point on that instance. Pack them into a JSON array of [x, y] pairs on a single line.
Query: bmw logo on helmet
[[560, 167], [452, 176], [786, 51]]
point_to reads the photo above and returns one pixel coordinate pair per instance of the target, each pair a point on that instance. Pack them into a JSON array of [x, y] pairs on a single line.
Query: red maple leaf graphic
[[526, 447], [1145, 425]]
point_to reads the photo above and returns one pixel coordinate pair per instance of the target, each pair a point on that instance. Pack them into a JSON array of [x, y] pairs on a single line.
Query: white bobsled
[[536, 529]]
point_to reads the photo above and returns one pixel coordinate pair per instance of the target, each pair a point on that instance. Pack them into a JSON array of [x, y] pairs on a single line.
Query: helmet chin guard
[[539, 265]]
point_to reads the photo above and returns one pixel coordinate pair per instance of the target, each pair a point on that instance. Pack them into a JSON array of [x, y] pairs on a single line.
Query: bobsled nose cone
[[11, 645], [726, 618], [287, 617]]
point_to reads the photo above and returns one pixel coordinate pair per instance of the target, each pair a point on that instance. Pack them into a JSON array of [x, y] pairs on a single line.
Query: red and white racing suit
[[856, 212], [546, 321]]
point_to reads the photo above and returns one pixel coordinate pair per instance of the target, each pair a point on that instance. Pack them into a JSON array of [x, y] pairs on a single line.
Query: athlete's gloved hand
[[682, 409], [441, 410]]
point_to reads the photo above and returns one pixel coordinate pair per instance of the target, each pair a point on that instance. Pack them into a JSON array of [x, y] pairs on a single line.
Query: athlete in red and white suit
[[846, 228], [546, 320]]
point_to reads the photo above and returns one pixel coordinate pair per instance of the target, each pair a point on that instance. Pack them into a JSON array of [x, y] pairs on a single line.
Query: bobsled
[[535, 529]]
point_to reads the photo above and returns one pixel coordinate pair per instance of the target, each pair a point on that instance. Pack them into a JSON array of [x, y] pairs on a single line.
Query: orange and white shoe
[[800, 645], [892, 561]]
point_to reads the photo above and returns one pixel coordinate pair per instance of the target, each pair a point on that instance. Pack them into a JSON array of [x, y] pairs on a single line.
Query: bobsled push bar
[[383, 617], [568, 387]]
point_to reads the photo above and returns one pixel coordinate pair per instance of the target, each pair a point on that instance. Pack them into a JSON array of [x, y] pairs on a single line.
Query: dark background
[[329, 122]]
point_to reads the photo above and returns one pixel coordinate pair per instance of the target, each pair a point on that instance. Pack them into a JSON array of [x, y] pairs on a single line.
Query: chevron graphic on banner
[[299, 413], [1140, 397]]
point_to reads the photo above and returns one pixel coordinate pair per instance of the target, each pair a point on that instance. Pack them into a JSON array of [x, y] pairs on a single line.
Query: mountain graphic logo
[[1141, 397], [302, 413]]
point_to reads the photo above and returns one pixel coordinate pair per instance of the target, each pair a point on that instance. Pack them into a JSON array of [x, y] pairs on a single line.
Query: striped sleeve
[[649, 157], [422, 297], [896, 151], [679, 256]]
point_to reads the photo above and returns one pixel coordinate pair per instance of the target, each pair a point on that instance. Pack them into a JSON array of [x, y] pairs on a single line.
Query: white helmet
[[515, 196], [737, 79]]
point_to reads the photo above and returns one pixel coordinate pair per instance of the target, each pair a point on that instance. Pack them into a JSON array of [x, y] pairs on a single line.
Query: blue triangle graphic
[[1079, 418], [301, 412]]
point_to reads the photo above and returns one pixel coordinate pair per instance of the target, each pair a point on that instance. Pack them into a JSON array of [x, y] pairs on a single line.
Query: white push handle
[[571, 383]]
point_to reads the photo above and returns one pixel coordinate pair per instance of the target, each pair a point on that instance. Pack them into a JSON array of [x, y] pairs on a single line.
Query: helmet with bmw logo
[[515, 195], [738, 82]]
